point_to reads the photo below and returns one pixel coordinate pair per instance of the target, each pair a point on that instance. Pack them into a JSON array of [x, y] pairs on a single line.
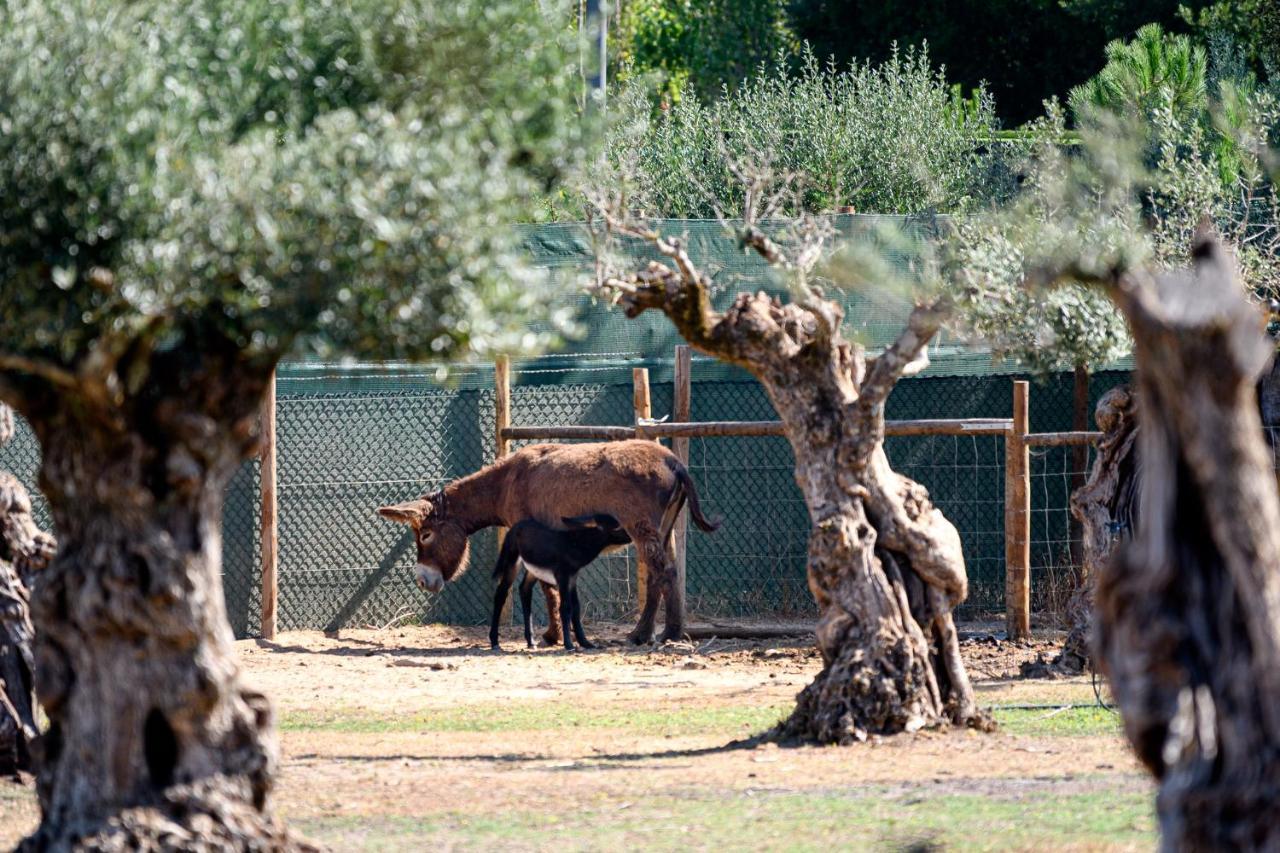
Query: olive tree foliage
[[343, 170], [187, 192], [1187, 622], [888, 138], [1153, 209]]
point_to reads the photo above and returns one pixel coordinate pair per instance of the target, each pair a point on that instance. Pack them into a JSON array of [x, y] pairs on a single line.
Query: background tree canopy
[[1024, 50], [344, 168]]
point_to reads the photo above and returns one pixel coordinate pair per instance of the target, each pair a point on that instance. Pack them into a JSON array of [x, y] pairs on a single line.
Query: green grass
[[1034, 819], [542, 716], [731, 720], [1091, 721]]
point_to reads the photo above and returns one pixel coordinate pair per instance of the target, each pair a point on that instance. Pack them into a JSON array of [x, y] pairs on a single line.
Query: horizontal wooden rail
[[942, 426], [972, 426], [600, 433], [710, 428], [1061, 439]]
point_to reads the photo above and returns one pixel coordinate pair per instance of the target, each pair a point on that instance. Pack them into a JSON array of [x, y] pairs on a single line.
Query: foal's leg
[[566, 583], [577, 621], [526, 607], [499, 601]]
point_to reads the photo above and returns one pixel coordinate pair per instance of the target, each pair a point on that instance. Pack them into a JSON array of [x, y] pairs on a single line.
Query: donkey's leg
[[649, 553], [552, 595], [674, 628], [578, 633]]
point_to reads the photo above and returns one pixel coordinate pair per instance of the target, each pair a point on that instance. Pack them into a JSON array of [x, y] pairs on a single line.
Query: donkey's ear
[[607, 522], [577, 522], [411, 513]]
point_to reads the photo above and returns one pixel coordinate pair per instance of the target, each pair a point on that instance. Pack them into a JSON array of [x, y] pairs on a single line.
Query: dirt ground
[[420, 737]]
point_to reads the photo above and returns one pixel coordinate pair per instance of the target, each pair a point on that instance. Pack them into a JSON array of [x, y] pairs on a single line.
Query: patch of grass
[[1035, 819], [732, 720], [1091, 721], [542, 716]]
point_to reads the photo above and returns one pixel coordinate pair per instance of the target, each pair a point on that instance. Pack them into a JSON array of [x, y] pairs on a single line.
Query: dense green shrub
[[889, 138]]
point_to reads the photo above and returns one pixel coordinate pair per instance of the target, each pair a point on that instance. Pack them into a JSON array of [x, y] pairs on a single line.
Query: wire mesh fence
[[352, 439]]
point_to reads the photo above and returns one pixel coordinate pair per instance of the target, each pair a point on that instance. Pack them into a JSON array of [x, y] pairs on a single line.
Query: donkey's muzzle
[[428, 578]]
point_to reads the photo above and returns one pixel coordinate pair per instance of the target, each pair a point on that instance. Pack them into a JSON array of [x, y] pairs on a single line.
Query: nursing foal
[[553, 557]]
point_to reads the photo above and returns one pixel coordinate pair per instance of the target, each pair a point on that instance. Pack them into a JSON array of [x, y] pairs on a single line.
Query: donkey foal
[[555, 557]]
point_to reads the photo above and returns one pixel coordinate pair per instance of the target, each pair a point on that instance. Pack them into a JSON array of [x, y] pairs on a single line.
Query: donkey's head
[[442, 541]]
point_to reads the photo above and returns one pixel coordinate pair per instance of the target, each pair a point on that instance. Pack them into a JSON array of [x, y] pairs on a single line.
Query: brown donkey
[[640, 483]]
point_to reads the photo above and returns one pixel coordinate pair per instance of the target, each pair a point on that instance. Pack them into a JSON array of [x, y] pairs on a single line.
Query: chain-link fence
[[350, 440]]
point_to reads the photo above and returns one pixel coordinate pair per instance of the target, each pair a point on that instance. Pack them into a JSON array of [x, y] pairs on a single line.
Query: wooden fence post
[[501, 446], [1017, 519], [681, 406], [270, 541], [1079, 464], [642, 403]]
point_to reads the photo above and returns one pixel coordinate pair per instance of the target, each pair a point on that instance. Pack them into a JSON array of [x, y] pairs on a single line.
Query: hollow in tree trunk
[[1105, 508], [153, 741], [884, 565], [1188, 611]]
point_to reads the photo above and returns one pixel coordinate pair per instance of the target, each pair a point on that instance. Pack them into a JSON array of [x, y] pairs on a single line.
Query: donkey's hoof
[[671, 637], [640, 637]]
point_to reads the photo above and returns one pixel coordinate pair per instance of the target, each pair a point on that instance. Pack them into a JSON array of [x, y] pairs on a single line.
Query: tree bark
[[153, 742], [24, 550], [1105, 508], [1189, 611], [885, 567]]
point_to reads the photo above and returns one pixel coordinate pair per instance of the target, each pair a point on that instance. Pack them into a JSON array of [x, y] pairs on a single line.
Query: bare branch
[[53, 375], [904, 354]]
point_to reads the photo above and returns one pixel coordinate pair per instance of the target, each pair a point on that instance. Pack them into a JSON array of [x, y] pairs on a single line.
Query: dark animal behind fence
[[552, 556]]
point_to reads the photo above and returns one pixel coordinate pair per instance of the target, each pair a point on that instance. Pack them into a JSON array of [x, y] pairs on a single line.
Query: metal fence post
[[501, 446], [682, 404], [268, 523], [642, 403], [1017, 519]]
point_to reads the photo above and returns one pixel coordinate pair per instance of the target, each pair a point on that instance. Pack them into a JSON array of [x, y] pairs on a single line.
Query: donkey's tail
[[686, 484]]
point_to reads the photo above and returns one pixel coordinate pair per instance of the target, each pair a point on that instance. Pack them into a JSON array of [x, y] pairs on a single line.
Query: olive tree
[[884, 565], [188, 191], [1182, 185], [1188, 611]]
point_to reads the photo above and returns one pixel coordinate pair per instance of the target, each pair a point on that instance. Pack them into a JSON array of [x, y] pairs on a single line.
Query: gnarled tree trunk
[[1188, 612], [153, 742], [24, 550], [1105, 507], [884, 566]]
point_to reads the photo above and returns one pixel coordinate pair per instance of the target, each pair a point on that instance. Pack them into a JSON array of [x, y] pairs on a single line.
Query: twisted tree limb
[[885, 567]]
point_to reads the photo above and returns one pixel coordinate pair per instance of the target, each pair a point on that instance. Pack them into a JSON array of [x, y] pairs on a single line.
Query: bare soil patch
[[399, 737]]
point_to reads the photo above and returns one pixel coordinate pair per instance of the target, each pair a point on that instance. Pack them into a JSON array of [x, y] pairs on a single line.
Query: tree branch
[[53, 375], [906, 356]]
